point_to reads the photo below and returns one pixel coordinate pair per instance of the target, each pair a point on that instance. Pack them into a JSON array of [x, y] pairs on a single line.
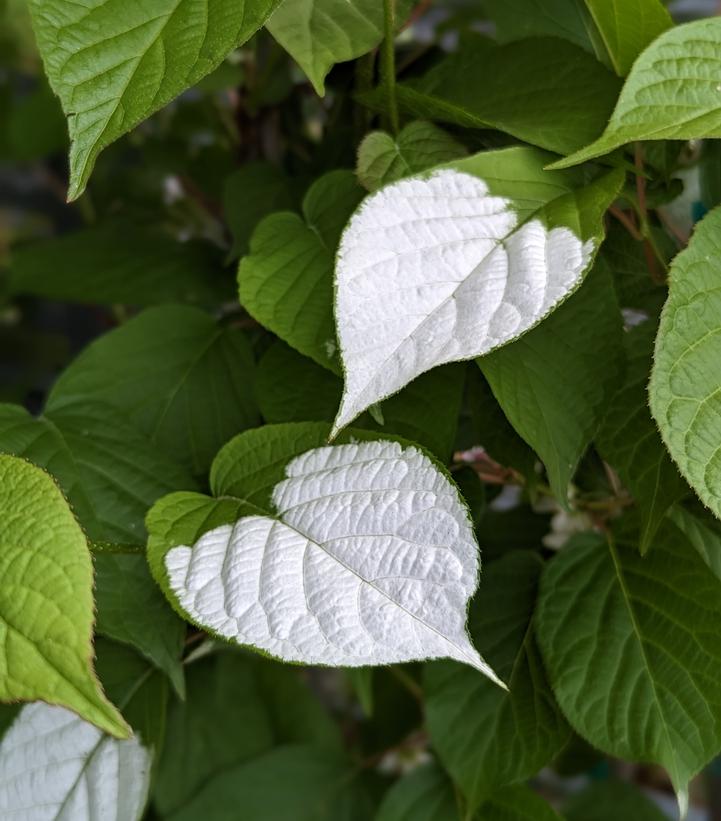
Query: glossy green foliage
[[381, 334]]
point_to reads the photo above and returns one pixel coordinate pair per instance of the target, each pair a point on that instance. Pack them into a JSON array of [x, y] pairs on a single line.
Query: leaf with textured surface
[[286, 282], [292, 388], [114, 63], [627, 27], [108, 471], [40, 442], [610, 800], [555, 382], [320, 33], [99, 265], [46, 602], [370, 560], [55, 766], [537, 91], [685, 386], [122, 471], [176, 375], [629, 441], [672, 92], [383, 158], [529, 730], [341, 602], [315, 785], [238, 707], [632, 651], [131, 609], [448, 266]]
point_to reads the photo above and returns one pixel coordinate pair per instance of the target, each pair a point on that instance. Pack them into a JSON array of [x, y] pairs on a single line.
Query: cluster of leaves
[[454, 265]]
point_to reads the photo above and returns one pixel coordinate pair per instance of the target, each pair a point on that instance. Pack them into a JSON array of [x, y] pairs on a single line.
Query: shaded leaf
[[528, 729], [555, 382], [286, 282], [179, 377]]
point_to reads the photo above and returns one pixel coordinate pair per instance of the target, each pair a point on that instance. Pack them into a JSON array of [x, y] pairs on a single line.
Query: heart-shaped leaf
[[383, 158], [446, 267], [54, 765], [370, 560]]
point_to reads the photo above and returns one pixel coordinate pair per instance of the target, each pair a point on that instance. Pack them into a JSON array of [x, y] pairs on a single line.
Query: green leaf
[[242, 479], [131, 609], [610, 800], [139, 690], [635, 286], [528, 729], [627, 27], [320, 33], [425, 794], [40, 442], [516, 804], [286, 282], [99, 265], [491, 430], [237, 708], [629, 441], [46, 604], [251, 193], [685, 386], [251, 464], [109, 472], [537, 90], [122, 471], [672, 93], [632, 651], [383, 158], [113, 65], [292, 388], [567, 19], [294, 781], [702, 532], [555, 382], [181, 379], [374, 279]]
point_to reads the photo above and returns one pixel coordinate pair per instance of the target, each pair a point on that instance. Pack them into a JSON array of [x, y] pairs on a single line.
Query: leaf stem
[[388, 64]]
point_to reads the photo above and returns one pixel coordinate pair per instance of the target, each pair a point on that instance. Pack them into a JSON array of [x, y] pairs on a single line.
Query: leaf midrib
[[513, 230], [675, 776], [277, 517]]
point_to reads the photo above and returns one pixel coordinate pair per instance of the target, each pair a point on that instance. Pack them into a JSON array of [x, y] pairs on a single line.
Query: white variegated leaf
[[435, 270], [371, 560], [56, 767]]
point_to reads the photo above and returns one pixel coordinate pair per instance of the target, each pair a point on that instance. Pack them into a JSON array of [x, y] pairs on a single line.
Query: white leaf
[[434, 270], [56, 767], [372, 560]]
